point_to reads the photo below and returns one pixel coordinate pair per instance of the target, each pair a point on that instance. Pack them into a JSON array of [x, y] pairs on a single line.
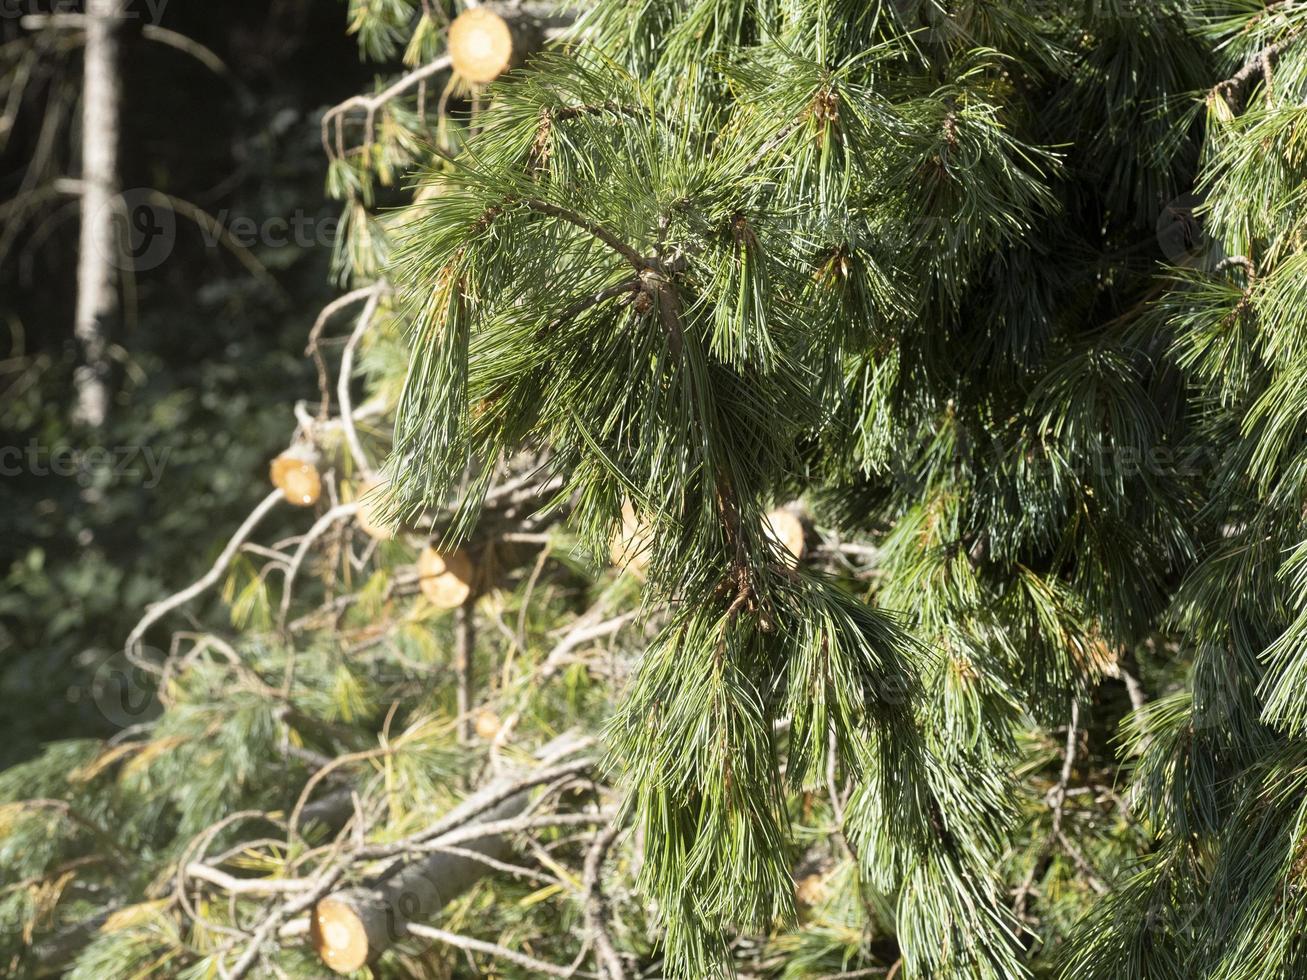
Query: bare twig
[[315, 334], [1057, 796], [300, 803], [1258, 63], [198, 216], [593, 227], [445, 830], [320, 527], [246, 886], [156, 611], [1134, 689], [272, 922], [151, 32], [490, 949], [584, 631], [342, 384], [371, 104], [516, 870], [512, 825], [596, 906]]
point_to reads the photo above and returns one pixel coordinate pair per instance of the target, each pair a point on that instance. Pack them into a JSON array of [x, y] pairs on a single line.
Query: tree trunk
[[97, 295]]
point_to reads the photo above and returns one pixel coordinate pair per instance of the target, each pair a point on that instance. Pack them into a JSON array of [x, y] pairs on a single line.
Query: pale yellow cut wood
[[352, 927], [810, 891], [629, 549], [297, 478], [785, 527], [481, 45], [370, 497], [445, 579], [339, 935], [487, 724]]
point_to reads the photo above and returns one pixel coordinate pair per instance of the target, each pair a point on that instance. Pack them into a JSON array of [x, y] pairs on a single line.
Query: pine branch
[[585, 224], [1258, 63]]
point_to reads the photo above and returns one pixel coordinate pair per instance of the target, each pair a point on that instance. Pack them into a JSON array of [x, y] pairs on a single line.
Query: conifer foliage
[[1005, 299]]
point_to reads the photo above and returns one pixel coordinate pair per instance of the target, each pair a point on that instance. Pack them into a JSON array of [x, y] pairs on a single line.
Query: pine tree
[[1002, 301]]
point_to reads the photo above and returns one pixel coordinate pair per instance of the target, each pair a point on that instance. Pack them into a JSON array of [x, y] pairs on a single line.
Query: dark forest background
[[209, 357]]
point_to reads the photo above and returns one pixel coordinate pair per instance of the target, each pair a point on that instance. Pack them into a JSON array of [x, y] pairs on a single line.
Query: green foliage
[[906, 264]]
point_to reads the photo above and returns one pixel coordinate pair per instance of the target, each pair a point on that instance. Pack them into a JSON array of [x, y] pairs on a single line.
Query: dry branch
[[156, 611], [353, 926]]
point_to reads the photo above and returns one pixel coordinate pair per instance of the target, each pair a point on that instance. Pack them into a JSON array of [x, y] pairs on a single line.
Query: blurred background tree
[[207, 353]]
